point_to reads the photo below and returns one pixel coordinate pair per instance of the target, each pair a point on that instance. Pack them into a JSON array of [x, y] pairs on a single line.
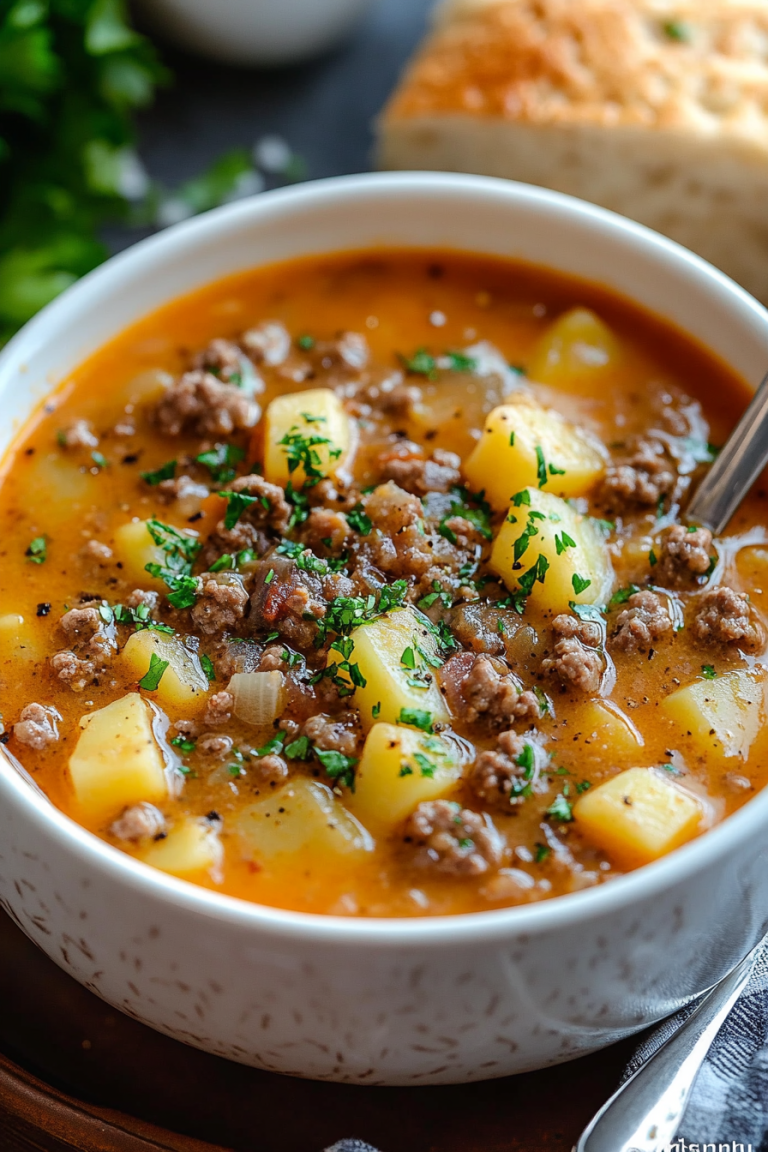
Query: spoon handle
[[644, 1114], [737, 467]]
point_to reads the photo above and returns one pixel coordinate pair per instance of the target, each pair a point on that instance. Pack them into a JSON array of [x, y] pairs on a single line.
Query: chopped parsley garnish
[[460, 362], [358, 521], [708, 672], [542, 699], [416, 718], [232, 560], [180, 549], [587, 611], [560, 809], [541, 466], [535, 574], [300, 502], [183, 589], [408, 659], [676, 30], [301, 451], [290, 658], [165, 472], [237, 503], [220, 461], [604, 526], [420, 364], [37, 551], [511, 439], [272, 747], [298, 749], [470, 506], [338, 766], [138, 618], [444, 597], [563, 541], [207, 666], [671, 769], [376, 710], [580, 583], [344, 613], [150, 681], [622, 595], [269, 576], [584, 786], [652, 558], [426, 766], [305, 342], [99, 460], [541, 851], [405, 769], [522, 497], [184, 744], [525, 537], [526, 760]]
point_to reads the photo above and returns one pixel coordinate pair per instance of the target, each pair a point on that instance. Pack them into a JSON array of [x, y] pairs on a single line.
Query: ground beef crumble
[[685, 554], [452, 839], [483, 688], [200, 403], [642, 623], [496, 772], [37, 726], [221, 605], [575, 660], [404, 463], [218, 710], [647, 474], [139, 822], [722, 616], [341, 733]]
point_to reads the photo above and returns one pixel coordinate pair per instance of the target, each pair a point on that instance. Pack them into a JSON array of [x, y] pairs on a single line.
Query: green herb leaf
[[306, 343], [298, 749], [207, 666], [541, 851], [420, 364], [563, 541], [358, 521], [560, 809], [708, 672], [150, 681], [622, 595], [237, 503], [184, 744], [338, 766], [460, 362], [541, 466], [37, 551], [416, 718], [220, 461], [165, 472], [580, 584]]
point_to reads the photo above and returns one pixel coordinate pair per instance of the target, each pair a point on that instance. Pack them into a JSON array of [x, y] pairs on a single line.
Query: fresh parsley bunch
[[72, 73]]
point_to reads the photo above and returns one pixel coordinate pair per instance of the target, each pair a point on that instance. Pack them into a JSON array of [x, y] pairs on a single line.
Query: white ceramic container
[[383, 1001], [260, 32]]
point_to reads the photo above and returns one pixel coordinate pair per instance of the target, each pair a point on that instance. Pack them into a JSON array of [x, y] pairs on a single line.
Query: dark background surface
[[52, 1027]]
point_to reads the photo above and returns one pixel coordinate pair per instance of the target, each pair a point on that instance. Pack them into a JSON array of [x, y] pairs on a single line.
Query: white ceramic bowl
[[265, 32], [384, 1001]]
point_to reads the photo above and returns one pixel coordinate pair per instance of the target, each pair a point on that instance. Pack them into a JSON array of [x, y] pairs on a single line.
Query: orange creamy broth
[[390, 297]]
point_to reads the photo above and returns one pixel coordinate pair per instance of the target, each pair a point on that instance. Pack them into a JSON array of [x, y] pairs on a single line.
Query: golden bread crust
[[694, 67]]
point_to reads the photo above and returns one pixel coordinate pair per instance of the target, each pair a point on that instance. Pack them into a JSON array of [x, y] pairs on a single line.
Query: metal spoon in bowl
[[738, 465], [643, 1115], [645, 1112]]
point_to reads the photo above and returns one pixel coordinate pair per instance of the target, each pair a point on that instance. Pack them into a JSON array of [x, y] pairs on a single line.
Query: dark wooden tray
[[74, 1073]]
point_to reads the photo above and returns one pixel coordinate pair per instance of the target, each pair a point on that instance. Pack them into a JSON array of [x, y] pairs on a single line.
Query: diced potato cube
[[17, 640], [396, 655], [183, 684], [301, 817], [638, 816], [576, 565], [191, 846], [607, 728], [117, 761], [723, 715], [524, 444], [305, 416], [579, 353], [399, 768], [135, 548]]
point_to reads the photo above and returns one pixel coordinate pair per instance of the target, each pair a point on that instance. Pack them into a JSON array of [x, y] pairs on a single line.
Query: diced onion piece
[[259, 696]]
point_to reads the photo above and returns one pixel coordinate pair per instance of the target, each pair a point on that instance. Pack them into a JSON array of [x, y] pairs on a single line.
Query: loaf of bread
[[655, 109]]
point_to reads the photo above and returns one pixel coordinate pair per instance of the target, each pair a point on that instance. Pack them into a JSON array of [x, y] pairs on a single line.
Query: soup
[[362, 585]]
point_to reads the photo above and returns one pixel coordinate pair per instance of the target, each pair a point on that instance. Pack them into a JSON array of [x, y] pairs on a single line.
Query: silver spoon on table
[[645, 1112], [643, 1115]]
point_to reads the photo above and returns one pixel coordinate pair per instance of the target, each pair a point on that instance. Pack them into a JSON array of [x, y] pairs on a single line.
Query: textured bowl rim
[[543, 916]]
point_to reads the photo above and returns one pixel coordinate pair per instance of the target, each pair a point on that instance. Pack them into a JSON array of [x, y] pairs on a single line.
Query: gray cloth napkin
[[729, 1102]]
